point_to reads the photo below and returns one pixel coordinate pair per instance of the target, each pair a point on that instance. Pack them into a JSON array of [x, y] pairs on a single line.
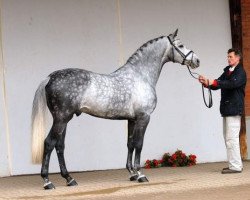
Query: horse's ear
[[175, 33]]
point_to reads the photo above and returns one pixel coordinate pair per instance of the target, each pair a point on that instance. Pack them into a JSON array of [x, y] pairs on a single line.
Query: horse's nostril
[[198, 61]]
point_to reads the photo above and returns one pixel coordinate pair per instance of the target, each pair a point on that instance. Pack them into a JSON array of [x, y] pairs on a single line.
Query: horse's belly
[[107, 106], [108, 111], [106, 101]]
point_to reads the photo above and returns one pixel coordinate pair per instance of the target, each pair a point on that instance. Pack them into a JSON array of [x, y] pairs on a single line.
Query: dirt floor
[[203, 181], [241, 192]]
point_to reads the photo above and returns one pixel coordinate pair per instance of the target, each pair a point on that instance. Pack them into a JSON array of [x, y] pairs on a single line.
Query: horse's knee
[[130, 146], [138, 146]]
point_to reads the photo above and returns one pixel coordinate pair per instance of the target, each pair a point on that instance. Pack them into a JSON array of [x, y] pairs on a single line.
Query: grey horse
[[126, 94]]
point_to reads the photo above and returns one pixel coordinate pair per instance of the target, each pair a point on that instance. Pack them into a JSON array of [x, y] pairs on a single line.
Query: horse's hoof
[[134, 177], [72, 182], [142, 179], [49, 186]]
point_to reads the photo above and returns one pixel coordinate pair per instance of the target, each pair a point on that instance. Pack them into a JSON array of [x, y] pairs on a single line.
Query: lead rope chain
[[210, 97]]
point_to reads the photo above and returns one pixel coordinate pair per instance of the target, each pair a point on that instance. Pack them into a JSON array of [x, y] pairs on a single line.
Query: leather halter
[[178, 50], [210, 103]]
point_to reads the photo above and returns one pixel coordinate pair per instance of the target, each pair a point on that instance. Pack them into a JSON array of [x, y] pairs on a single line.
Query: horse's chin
[[193, 65]]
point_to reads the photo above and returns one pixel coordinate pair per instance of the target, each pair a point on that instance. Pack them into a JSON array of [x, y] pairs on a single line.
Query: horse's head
[[181, 54]]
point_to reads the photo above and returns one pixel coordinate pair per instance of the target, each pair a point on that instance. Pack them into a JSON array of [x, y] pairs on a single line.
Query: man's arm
[[209, 82], [214, 83], [235, 81]]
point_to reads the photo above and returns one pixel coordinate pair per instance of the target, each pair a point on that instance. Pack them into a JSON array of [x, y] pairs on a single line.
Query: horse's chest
[[144, 98]]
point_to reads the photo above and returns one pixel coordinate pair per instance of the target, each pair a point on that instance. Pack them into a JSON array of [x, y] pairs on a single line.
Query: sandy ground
[[203, 181]]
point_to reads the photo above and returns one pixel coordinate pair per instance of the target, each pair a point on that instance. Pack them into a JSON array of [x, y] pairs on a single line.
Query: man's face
[[233, 59]]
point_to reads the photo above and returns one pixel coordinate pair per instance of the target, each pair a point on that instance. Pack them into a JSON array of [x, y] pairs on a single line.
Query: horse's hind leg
[[60, 145], [49, 144]]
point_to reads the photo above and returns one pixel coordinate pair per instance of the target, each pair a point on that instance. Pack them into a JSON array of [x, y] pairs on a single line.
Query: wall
[[245, 16], [42, 36], [5, 164], [4, 160], [245, 6]]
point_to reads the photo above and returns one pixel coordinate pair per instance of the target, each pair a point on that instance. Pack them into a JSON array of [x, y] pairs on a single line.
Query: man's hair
[[237, 52]]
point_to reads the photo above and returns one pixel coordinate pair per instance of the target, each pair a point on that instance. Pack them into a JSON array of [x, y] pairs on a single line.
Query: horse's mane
[[142, 48]]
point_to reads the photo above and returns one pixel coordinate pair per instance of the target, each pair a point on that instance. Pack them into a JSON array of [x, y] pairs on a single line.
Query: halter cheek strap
[[178, 50]]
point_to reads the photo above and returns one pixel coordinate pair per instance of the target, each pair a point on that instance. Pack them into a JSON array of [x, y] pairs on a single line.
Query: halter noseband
[[178, 50]]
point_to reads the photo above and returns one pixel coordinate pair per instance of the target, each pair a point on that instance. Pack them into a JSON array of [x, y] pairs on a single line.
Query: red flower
[[178, 159], [156, 162], [174, 156]]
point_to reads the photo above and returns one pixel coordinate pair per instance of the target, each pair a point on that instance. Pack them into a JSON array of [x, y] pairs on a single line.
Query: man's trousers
[[231, 135]]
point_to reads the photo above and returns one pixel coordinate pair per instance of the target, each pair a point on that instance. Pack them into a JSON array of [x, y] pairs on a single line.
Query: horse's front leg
[[130, 145], [139, 132], [60, 146]]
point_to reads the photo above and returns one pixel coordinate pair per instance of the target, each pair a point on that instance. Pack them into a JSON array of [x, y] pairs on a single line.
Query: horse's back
[[68, 72]]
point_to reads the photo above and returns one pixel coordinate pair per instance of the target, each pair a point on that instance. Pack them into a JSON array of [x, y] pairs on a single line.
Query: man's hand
[[203, 80], [210, 81]]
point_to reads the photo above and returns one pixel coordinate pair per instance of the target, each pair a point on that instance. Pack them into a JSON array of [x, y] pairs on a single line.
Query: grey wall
[[42, 36], [4, 160]]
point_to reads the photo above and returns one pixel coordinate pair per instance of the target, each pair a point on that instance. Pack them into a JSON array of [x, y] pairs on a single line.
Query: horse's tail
[[38, 122]]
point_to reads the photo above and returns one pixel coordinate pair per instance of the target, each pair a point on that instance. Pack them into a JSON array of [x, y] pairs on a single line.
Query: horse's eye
[[181, 46]]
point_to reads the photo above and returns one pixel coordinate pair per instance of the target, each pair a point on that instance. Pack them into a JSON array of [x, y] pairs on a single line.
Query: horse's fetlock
[[65, 175], [44, 174]]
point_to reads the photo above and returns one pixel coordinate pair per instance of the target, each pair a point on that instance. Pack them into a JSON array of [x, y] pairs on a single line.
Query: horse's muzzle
[[195, 62]]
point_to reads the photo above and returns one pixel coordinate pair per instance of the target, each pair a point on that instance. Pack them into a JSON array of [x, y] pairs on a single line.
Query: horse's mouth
[[194, 65]]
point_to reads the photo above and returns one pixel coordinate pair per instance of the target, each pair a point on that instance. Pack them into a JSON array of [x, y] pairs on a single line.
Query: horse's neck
[[148, 63]]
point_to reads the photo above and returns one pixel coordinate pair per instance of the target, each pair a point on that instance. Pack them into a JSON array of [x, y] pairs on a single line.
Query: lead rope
[[210, 98]]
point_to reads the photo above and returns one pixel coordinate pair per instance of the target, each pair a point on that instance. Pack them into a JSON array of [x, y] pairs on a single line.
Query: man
[[232, 84]]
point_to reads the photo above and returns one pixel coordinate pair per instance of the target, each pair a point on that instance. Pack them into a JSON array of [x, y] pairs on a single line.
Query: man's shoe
[[229, 171]]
